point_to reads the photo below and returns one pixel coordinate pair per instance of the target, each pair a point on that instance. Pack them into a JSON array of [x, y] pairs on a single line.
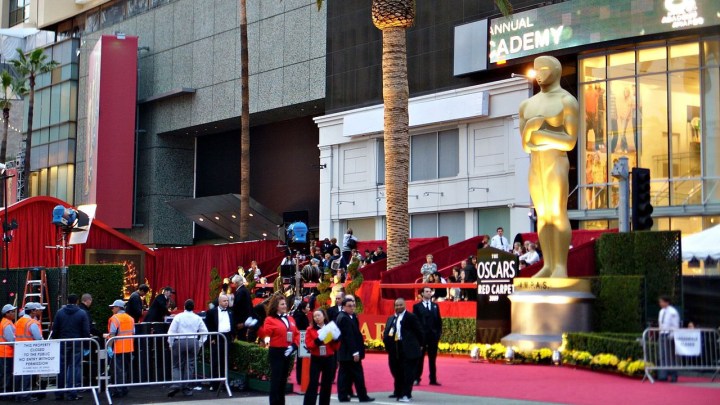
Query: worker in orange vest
[[28, 328], [120, 326], [7, 335]]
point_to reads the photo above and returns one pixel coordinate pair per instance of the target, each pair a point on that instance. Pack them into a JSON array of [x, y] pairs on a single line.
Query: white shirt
[[530, 257], [669, 318], [398, 323], [500, 242], [223, 321], [187, 322]]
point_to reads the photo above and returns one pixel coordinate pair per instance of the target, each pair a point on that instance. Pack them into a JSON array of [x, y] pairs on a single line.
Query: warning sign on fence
[[687, 342], [37, 357]]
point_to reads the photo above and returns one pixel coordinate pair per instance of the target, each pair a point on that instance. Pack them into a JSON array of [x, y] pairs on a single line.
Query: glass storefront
[[658, 105]]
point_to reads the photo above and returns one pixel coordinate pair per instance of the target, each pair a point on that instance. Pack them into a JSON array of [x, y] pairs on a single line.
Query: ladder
[[36, 290]]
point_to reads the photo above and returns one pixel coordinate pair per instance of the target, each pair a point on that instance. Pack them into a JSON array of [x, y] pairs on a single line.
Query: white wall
[[492, 166]]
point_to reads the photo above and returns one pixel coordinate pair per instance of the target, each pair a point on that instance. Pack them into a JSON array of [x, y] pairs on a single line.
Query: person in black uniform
[[219, 319], [403, 338], [333, 311], [351, 354], [242, 306], [159, 308], [134, 306], [471, 277], [428, 313], [302, 322]]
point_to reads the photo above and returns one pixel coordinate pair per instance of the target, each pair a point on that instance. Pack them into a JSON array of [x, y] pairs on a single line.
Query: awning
[[220, 214], [702, 245]]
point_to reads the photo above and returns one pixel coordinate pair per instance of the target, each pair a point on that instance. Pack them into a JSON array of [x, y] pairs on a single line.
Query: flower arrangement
[[604, 361]]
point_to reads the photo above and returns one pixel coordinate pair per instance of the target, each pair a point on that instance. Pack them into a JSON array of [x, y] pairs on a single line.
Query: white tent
[[702, 245]]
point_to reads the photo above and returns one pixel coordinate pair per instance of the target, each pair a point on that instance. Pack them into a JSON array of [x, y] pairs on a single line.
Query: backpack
[[352, 243]]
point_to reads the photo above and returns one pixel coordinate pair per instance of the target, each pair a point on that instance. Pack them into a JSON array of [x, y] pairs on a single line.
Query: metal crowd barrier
[[64, 367], [181, 365], [680, 350]]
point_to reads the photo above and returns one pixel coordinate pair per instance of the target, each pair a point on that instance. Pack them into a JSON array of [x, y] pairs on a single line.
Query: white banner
[[687, 342], [303, 350], [37, 357]]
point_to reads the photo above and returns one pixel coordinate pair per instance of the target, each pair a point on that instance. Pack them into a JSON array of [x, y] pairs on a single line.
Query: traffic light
[[642, 209]]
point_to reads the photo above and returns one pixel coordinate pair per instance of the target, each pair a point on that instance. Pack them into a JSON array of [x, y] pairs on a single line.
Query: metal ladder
[[36, 290]]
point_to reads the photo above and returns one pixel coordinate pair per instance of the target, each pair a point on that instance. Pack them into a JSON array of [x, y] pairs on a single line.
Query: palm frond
[[319, 4], [504, 6]]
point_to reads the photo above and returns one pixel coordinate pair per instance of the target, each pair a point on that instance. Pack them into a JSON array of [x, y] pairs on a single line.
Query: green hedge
[[654, 255], [103, 281], [250, 359], [458, 330], [624, 346], [619, 304]]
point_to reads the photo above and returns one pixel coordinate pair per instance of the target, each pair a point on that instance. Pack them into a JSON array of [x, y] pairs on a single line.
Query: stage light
[[233, 216], [556, 357], [201, 220], [531, 73], [509, 355]]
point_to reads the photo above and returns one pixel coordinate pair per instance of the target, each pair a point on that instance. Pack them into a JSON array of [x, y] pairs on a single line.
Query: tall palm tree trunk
[[28, 139], [244, 126], [397, 144]]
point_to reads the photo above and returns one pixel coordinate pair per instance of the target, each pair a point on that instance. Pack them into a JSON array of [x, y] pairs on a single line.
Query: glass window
[[621, 64], [54, 105], [380, 145], [709, 132], [685, 56], [711, 52], [64, 101], [135, 7], [92, 22], [684, 144], [112, 13], [73, 101], [423, 225], [653, 134], [423, 157], [54, 133], [452, 225], [53, 181], [652, 60], [592, 69], [448, 150]]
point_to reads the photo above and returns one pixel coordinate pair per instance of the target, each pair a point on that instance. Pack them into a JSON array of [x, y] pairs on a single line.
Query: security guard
[[120, 325], [28, 328], [7, 334]]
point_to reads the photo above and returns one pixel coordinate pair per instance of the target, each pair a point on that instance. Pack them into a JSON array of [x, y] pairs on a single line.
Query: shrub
[[103, 281], [619, 304], [215, 284], [250, 359], [357, 280], [657, 257], [614, 253], [458, 330], [622, 346]]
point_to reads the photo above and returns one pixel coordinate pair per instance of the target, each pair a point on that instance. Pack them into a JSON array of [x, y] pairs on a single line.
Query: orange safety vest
[[6, 351], [22, 329], [125, 325]]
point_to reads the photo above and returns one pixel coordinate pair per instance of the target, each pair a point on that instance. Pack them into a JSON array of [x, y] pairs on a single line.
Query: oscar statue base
[[542, 309]]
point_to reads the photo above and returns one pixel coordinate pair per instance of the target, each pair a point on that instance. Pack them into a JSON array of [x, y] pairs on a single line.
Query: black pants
[[218, 358], [279, 369], [431, 350], [403, 371], [350, 373], [321, 369]]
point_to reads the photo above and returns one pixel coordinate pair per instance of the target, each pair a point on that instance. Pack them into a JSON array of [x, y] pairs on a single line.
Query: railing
[[61, 366], [668, 351], [167, 359]]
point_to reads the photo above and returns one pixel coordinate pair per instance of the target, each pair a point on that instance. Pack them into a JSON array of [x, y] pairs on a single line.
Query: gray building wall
[[195, 43]]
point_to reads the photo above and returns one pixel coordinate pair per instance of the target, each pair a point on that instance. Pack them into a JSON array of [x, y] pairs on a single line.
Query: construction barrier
[[680, 350]]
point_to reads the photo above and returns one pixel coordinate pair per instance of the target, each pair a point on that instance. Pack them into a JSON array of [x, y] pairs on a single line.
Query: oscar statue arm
[[565, 139], [527, 127]]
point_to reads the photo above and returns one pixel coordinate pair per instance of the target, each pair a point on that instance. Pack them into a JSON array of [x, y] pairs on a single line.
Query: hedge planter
[[255, 384]]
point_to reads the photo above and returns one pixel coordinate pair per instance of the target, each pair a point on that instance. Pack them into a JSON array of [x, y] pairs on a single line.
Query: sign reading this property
[[36, 357]]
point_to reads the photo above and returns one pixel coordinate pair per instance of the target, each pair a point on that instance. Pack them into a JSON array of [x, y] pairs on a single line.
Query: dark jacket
[[242, 305], [333, 313], [301, 320], [430, 321], [158, 310], [71, 322], [93, 330], [351, 340], [134, 306], [213, 324], [412, 335]]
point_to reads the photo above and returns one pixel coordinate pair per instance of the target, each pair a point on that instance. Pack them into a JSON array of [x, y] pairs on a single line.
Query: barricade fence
[[181, 361], [63, 367], [66, 367], [668, 351]]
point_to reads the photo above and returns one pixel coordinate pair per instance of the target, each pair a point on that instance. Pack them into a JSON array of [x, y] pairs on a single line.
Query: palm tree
[[394, 17], [244, 126], [12, 88], [29, 67]]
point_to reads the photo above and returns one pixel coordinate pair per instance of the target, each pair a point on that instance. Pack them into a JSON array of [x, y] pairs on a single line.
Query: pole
[[620, 171]]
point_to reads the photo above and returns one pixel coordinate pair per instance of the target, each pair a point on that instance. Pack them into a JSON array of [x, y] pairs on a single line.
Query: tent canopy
[[702, 245]]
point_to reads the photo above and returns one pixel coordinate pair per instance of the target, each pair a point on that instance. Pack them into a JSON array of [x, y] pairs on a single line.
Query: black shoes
[[368, 399], [173, 391], [435, 383]]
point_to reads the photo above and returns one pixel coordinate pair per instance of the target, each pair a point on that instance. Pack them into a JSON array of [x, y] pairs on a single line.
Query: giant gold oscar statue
[[549, 125]]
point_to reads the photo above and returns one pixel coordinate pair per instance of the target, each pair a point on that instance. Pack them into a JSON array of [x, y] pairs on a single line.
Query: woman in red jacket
[[281, 335], [322, 361]]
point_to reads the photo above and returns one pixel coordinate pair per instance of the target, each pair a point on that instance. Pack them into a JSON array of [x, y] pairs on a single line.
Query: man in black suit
[[219, 319], [242, 306], [337, 308], [428, 313], [134, 306], [351, 354], [403, 339], [159, 308]]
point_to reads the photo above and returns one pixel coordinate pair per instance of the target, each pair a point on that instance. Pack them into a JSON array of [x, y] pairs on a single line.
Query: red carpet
[[542, 383]]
